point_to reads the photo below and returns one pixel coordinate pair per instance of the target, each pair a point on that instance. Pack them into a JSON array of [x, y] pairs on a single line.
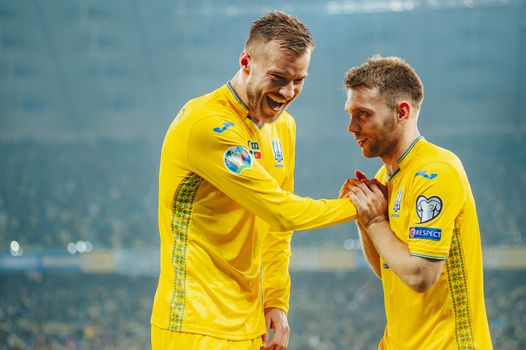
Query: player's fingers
[[264, 337], [353, 182], [360, 175], [283, 337], [266, 347], [356, 201], [376, 189], [365, 187], [382, 187]]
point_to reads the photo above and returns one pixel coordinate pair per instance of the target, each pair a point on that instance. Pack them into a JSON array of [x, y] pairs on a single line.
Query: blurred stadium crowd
[[329, 311], [106, 192], [112, 69], [53, 193]]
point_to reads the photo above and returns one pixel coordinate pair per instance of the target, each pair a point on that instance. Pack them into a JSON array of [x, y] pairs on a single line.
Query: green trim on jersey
[[390, 176], [236, 96], [428, 256]]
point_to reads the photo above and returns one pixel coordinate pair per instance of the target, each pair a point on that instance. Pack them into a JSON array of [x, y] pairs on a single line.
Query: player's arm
[[276, 287], [371, 254], [249, 184], [419, 263], [369, 250], [418, 273], [275, 258]]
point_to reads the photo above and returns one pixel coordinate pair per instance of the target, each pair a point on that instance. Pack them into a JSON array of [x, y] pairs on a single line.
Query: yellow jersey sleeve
[[223, 159], [275, 259], [437, 199]]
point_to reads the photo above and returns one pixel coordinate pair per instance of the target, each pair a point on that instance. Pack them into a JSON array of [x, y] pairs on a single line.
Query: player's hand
[[360, 177], [369, 198], [363, 178], [276, 319], [346, 187]]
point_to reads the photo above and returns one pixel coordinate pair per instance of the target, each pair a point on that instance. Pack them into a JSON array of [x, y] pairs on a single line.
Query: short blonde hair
[[280, 26]]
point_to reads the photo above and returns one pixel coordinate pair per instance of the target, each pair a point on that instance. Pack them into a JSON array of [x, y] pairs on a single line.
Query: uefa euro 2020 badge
[[237, 159]]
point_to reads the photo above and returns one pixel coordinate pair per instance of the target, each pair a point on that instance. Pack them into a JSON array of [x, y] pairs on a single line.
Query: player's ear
[[244, 62], [403, 110]]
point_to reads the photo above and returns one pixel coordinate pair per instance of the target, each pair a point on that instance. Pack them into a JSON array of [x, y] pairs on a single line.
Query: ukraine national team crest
[[237, 159], [278, 152], [398, 201], [428, 208]]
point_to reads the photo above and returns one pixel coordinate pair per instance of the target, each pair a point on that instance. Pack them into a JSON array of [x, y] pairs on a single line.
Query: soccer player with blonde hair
[[226, 202]]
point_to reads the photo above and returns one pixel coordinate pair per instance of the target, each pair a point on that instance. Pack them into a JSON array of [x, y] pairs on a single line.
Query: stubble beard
[[257, 108], [385, 141]]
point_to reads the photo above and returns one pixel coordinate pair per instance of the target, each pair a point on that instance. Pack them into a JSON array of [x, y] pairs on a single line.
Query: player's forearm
[[296, 213], [275, 262], [369, 250], [410, 269]]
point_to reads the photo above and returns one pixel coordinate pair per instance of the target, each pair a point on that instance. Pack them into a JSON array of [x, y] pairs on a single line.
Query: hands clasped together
[[369, 197]]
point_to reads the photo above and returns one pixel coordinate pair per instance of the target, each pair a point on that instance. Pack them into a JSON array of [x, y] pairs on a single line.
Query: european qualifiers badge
[[278, 153], [428, 208], [254, 149]]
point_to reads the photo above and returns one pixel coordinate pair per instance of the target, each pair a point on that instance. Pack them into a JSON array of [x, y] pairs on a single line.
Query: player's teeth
[[276, 99]]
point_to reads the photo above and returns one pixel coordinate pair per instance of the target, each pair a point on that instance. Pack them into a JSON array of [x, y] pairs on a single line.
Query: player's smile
[[275, 103], [361, 141]]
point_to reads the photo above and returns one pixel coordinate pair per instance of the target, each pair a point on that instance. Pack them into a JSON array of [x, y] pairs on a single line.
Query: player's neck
[[391, 161], [238, 83]]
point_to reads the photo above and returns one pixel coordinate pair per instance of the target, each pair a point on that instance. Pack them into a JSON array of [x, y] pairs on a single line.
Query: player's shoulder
[[432, 153], [434, 160], [209, 111], [205, 106]]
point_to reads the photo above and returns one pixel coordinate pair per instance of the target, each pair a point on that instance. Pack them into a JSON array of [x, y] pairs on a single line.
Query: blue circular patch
[[237, 159]]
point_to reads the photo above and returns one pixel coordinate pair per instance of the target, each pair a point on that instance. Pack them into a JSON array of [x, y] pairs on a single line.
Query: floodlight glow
[[81, 246], [14, 246], [72, 248]]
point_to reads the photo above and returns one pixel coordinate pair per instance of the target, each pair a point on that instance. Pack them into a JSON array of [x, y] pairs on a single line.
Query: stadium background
[[88, 88]]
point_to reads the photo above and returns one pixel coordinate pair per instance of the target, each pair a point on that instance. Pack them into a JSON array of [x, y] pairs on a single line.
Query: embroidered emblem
[[278, 152], [428, 208], [398, 201], [226, 125], [237, 159]]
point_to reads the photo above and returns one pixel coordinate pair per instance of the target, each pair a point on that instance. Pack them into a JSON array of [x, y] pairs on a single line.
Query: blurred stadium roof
[[121, 69]]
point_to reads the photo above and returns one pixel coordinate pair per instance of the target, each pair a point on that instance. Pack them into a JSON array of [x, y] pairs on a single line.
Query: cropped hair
[[288, 30], [394, 78]]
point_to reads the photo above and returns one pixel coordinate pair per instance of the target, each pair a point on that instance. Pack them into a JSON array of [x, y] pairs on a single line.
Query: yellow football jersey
[[226, 211], [432, 210]]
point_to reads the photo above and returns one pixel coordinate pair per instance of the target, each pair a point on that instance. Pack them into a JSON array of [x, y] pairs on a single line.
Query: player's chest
[[271, 151], [400, 205]]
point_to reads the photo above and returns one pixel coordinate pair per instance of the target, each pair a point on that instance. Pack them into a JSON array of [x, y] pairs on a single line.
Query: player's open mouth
[[275, 102], [361, 142]]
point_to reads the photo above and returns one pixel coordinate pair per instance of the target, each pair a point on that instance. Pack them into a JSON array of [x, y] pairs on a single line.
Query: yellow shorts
[[164, 339]]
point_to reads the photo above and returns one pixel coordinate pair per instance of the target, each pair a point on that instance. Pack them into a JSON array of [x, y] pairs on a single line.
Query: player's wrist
[[376, 225]]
